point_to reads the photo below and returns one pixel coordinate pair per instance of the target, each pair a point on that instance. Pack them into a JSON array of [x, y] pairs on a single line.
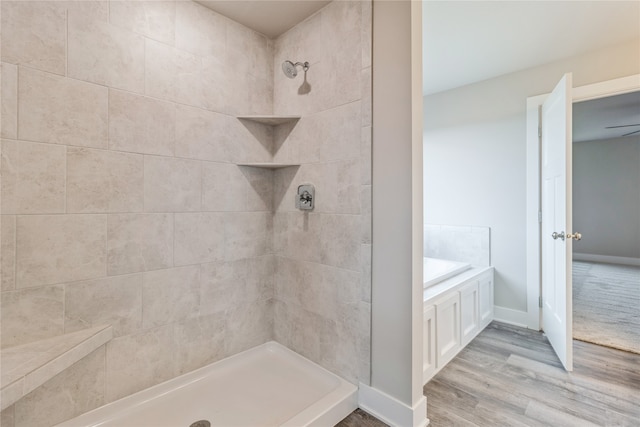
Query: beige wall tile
[[200, 30], [340, 241], [224, 187], [172, 185], [221, 286], [74, 391], [199, 341], [91, 9], [139, 361], [365, 200], [348, 189], [105, 54], [366, 97], [170, 295], [33, 34], [342, 358], [301, 43], [203, 81], [301, 330], [61, 110], [364, 343], [139, 242], [153, 19], [259, 97], [252, 52], [249, 325], [259, 192], [255, 47], [9, 100], [365, 264], [8, 252], [160, 70], [247, 234], [342, 133], [285, 184], [60, 248], [289, 280], [294, 230], [365, 32], [33, 178], [115, 301], [202, 134], [199, 237], [365, 156], [32, 314], [7, 417], [249, 141], [104, 181], [141, 125], [326, 290], [225, 285]]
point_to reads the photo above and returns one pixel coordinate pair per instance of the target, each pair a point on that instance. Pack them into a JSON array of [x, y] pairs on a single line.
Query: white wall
[[395, 394], [606, 197], [474, 153]]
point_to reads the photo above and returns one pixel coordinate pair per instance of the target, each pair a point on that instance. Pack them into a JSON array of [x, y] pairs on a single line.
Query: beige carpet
[[606, 305]]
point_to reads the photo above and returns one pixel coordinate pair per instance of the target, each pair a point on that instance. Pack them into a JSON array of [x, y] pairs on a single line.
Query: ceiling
[[591, 118], [469, 41], [267, 17]]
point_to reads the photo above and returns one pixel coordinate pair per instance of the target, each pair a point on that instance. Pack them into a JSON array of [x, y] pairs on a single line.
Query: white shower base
[[268, 385]]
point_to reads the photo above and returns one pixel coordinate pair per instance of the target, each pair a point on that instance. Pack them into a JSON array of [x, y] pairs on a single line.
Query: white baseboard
[[606, 259], [511, 316], [390, 410]]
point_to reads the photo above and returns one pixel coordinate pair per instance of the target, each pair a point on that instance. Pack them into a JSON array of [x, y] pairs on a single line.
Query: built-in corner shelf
[[271, 120], [28, 366], [268, 165]]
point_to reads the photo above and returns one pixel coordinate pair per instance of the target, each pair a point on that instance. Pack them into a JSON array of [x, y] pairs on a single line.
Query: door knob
[[558, 235], [574, 236]]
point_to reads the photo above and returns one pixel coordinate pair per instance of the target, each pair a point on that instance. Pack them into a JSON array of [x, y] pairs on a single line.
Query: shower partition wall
[[123, 204]]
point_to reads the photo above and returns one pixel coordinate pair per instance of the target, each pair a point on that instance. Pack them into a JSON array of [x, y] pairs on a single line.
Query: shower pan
[[266, 386]]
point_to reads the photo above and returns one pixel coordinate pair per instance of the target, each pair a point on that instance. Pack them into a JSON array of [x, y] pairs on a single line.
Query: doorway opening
[[534, 212], [606, 208]]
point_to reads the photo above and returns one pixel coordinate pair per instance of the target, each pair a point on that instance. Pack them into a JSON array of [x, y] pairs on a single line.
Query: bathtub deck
[[266, 386]]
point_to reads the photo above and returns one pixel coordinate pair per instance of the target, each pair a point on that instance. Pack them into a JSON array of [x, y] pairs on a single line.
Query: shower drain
[[201, 423]]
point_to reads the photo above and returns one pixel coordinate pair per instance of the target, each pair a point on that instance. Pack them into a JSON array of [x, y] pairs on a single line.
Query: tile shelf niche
[[273, 122], [28, 366], [269, 165]]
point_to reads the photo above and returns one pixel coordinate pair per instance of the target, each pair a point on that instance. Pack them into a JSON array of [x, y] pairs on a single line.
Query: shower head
[[291, 70]]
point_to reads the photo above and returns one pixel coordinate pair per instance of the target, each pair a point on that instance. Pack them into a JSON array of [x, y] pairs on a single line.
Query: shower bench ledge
[[28, 366]]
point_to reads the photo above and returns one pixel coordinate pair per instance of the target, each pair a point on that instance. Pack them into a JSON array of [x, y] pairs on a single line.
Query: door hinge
[[539, 216], [539, 131], [540, 301]]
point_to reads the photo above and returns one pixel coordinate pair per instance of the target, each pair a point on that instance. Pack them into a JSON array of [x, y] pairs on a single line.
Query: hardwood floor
[[510, 376]]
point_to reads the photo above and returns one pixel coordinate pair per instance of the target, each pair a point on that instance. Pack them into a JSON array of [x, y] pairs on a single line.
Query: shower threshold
[[268, 385]]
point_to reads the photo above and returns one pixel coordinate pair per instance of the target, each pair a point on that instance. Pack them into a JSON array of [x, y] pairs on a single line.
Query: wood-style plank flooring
[[510, 376]]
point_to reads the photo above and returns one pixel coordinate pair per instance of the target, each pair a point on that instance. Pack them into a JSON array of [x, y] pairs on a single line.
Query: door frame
[[533, 251]]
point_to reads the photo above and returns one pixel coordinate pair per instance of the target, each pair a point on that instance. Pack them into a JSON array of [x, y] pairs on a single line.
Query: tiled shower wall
[[121, 202], [322, 285]]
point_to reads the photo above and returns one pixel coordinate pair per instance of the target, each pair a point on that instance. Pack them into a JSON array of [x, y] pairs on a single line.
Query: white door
[[556, 242]]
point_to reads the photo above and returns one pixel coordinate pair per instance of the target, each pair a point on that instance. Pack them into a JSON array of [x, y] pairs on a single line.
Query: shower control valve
[[305, 197]]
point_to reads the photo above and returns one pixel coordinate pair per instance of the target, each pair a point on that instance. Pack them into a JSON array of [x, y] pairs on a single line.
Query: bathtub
[[268, 385], [437, 270]]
